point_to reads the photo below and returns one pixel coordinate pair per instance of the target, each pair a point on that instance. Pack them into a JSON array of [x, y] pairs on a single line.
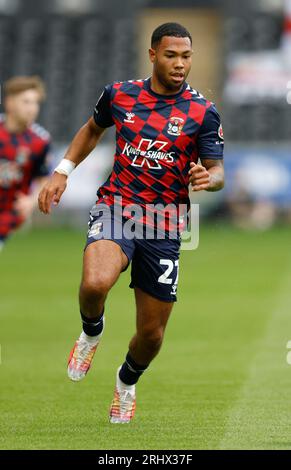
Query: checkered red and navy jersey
[[23, 157], [157, 136]]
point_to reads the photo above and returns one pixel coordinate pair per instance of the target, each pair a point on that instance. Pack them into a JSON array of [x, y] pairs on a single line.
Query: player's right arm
[[82, 144]]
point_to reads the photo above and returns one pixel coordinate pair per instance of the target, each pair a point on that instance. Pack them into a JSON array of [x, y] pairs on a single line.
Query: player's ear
[[152, 54]]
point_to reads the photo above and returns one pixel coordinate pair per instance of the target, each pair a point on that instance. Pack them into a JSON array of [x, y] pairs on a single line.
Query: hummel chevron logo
[[129, 118], [195, 92]]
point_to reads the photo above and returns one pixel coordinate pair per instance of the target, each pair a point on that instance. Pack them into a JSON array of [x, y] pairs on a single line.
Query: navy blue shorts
[[154, 262]]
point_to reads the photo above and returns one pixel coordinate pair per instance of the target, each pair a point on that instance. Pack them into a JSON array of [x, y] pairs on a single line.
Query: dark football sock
[[130, 371], [93, 326]]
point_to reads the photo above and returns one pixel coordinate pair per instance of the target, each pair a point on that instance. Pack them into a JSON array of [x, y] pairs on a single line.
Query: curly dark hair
[[169, 29]]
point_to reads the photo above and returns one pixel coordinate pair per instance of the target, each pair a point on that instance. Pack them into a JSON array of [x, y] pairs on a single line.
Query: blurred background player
[[24, 149]]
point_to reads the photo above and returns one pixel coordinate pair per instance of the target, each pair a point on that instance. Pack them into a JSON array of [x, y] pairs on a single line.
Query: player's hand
[[24, 205], [199, 177], [52, 192]]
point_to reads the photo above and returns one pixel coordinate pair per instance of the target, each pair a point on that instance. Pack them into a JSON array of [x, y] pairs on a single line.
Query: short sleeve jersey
[[23, 157], [157, 136]]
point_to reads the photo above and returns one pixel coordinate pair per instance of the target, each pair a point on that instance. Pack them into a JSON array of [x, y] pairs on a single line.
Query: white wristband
[[65, 167]]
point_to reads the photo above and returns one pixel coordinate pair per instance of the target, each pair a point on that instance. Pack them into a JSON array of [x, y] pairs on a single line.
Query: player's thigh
[[103, 262], [151, 313]]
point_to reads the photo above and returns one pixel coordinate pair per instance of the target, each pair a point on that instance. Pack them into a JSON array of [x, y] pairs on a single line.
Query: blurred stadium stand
[[76, 54], [255, 105], [78, 47]]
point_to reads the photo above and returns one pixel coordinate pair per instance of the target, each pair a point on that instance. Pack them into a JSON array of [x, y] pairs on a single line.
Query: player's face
[[172, 62], [23, 107]]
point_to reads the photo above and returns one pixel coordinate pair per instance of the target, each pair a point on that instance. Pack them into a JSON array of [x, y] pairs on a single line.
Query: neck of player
[[161, 89], [13, 126]]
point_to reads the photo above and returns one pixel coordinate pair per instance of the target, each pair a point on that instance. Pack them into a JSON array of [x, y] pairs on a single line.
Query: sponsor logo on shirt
[[148, 153]]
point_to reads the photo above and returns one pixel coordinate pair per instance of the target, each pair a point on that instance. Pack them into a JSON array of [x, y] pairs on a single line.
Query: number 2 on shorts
[[164, 278]]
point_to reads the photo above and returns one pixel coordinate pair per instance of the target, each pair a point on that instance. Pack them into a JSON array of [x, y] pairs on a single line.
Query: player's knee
[[96, 287], [152, 337]]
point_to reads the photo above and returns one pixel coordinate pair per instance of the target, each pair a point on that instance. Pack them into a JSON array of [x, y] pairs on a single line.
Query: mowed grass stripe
[[261, 417], [226, 295]]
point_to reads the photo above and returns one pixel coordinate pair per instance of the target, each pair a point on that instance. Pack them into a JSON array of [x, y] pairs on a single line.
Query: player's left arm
[[209, 176]]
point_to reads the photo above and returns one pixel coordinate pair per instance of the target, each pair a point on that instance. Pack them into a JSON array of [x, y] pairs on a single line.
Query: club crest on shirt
[[22, 155], [175, 126], [11, 172]]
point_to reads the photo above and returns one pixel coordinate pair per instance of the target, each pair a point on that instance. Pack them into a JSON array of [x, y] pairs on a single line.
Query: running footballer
[[163, 127]]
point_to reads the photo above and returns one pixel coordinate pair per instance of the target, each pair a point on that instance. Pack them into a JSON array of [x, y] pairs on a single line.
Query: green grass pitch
[[221, 380]]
